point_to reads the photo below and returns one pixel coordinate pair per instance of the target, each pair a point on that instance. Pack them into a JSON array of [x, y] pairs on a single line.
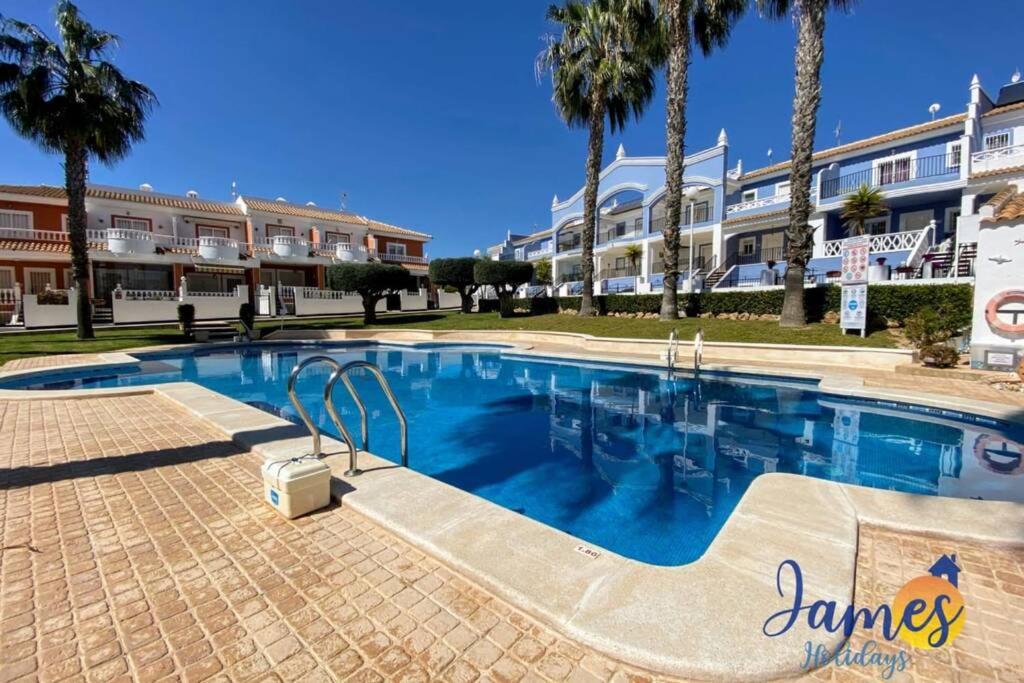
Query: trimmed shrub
[[372, 281], [891, 302], [505, 277], [541, 305], [247, 315], [457, 274], [186, 318], [488, 305]]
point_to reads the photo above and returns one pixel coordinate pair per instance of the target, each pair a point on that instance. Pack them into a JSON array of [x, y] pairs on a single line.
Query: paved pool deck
[[141, 481]]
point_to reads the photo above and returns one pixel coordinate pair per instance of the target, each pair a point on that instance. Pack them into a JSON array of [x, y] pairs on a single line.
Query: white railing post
[[182, 289]]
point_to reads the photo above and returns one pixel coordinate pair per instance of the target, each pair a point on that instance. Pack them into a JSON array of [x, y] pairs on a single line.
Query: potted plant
[[880, 260], [186, 318], [929, 330], [879, 271]]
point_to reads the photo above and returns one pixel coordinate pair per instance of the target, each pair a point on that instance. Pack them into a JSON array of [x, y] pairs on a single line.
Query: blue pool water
[[616, 455]]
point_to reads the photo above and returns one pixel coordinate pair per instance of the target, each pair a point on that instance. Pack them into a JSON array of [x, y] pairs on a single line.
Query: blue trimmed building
[[935, 177]]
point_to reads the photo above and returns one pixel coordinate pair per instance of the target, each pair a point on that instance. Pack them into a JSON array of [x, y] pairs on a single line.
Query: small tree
[[929, 330], [456, 273], [634, 253], [505, 277], [861, 206], [186, 318], [372, 281], [542, 271]]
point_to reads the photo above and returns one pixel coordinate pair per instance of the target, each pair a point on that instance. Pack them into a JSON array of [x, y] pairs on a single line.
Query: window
[[336, 237], [747, 245], [748, 195], [7, 278], [877, 226], [894, 170], [620, 229], [638, 225], [211, 231], [997, 140], [520, 254], [916, 220], [38, 279], [952, 219], [700, 213], [782, 189], [395, 249], [620, 263], [280, 230], [129, 223], [18, 220], [953, 154]]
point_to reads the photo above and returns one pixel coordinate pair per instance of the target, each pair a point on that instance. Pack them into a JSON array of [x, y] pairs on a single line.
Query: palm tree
[[708, 23], [603, 65], [68, 99], [810, 52], [633, 254], [860, 207]]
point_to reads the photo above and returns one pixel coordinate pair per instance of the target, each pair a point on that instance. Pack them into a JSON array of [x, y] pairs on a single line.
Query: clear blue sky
[[429, 116]]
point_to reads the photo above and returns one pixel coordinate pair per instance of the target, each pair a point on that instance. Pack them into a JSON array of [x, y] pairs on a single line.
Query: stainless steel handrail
[[342, 374], [328, 401], [673, 344]]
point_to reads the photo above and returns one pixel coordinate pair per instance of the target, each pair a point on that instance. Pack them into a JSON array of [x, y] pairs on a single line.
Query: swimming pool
[[615, 455]]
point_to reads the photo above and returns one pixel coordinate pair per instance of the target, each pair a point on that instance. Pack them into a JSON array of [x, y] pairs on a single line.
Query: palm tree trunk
[[675, 133], [75, 174], [810, 52], [595, 149]]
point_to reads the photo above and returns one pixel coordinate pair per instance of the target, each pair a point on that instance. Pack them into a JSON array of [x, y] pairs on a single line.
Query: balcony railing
[[892, 172], [762, 255], [701, 214], [996, 159], [699, 264], [570, 242], [628, 271], [890, 241], [397, 258], [544, 250], [613, 234], [757, 203]]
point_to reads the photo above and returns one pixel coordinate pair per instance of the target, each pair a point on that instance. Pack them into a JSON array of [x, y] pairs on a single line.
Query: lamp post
[[691, 194]]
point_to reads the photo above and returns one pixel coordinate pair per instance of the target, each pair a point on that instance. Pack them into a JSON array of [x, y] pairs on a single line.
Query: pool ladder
[[341, 372], [670, 354]]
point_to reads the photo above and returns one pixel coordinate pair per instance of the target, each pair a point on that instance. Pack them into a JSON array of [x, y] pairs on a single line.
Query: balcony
[[890, 241], [997, 159], [702, 214], [900, 170], [390, 257], [777, 200], [546, 250], [570, 242]]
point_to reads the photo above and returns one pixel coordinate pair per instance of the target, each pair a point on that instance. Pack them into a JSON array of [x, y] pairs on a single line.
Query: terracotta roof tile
[[1008, 205], [120, 194], [862, 144], [48, 246], [377, 226], [997, 171], [1005, 108], [755, 218], [302, 211]]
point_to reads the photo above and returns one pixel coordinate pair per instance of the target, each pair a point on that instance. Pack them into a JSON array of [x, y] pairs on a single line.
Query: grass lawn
[[714, 330], [25, 344]]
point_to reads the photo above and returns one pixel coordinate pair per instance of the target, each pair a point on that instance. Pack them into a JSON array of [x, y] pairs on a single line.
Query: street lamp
[[691, 194]]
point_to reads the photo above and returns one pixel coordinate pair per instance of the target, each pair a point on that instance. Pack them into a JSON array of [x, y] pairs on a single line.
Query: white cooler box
[[297, 486]]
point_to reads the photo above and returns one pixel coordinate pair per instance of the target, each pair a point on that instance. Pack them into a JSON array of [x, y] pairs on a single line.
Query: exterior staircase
[[966, 255], [716, 275]]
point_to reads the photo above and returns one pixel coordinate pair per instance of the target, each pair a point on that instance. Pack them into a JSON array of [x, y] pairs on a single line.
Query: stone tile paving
[[992, 585], [33, 362], [136, 546]]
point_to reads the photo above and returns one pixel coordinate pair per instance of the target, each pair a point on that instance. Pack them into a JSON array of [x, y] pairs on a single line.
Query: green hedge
[[894, 302]]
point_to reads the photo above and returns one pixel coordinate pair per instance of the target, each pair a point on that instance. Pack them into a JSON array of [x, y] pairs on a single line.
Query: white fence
[[313, 301], [149, 306], [890, 241], [448, 299], [50, 315], [414, 302]]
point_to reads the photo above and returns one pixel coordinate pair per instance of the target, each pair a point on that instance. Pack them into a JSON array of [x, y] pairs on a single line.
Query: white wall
[[218, 307], [999, 271], [303, 225], [37, 315], [414, 302], [448, 300], [344, 303]]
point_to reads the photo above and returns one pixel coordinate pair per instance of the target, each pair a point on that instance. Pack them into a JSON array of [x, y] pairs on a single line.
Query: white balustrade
[[288, 246], [397, 258], [996, 159], [891, 241], [218, 248], [757, 203], [127, 241]]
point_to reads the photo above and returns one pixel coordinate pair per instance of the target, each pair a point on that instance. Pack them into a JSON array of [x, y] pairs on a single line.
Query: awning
[[226, 270]]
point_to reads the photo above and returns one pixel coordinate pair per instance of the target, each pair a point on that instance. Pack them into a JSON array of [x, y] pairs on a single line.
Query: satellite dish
[[933, 109], [1015, 78], [476, 253]]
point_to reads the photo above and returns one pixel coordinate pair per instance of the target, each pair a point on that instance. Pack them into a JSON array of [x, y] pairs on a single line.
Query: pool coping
[[701, 620]]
